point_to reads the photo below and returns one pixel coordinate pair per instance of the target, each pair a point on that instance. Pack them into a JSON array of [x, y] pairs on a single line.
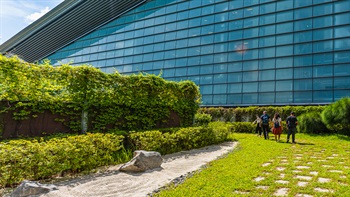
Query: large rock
[[32, 188], [142, 161]]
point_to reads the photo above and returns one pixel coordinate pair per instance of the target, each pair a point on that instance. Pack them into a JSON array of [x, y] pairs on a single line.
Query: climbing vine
[[139, 101]]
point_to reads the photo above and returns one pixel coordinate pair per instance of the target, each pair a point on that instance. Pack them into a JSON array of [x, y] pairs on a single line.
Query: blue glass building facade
[[251, 52]]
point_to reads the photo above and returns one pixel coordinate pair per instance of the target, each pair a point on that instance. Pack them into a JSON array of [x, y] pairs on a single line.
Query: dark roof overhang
[[64, 24]]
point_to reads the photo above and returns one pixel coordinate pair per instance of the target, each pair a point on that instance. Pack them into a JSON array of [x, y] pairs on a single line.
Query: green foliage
[[41, 158], [183, 139], [247, 114], [243, 127], [311, 123], [337, 116], [202, 119], [135, 102]]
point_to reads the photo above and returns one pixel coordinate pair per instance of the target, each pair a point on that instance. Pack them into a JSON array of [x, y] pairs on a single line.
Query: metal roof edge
[[37, 25]]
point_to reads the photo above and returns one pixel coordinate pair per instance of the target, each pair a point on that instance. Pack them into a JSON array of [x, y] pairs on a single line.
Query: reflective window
[[267, 52], [303, 36], [323, 71], [250, 65], [284, 50], [220, 89], [323, 83], [323, 9], [302, 48], [220, 78], [284, 27], [305, 60], [284, 85], [304, 72], [250, 87], [284, 16], [342, 44], [322, 34], [284, 5], [323, 46], [219, 99], [304, 84], [324, 58], [284, 73], [342, 19], [267, 98], [342, 83], [284, 39], [303, 13], [250, 98], [266, 63], [341, 69], [284, 97], [341, 31], [323, 96], [234, 77], [235, 88], [267, 41], [234, 98], [303, 25], [303, 97], [342, 57], [267, 86], [250, 76], [267, 75]]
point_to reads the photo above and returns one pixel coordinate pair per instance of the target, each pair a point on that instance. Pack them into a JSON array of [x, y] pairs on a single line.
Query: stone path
[[311, 169]]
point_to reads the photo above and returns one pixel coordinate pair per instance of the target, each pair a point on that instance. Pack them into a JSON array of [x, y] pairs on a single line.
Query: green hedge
[[248, 114], [183, 139], [40, 158]]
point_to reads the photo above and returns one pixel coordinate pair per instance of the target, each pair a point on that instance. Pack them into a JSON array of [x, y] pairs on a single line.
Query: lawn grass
[[280, 165]]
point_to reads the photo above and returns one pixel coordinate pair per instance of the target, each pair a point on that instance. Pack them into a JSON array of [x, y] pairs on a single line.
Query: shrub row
[[44, 157], [248, 114], [183, 139], [41, 158]]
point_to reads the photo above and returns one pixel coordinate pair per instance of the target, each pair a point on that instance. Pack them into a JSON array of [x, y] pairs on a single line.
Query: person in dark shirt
[[292, 123], [265, 124]]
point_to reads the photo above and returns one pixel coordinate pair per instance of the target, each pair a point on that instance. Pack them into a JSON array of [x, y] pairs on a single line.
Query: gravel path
[[116, 183]]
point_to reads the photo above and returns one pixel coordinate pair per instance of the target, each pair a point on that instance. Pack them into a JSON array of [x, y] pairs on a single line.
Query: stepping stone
[[322, 160], [302, 183], [308, 178], [282, 175], [282, 181], [323, 180], [327, 166], [343, 177], [296, 171], [298, 157], [313, 157], [337, 171], [258, 179], [330, 157], [284, 160], [266, 164], [303, 195], [282, 157], [323, 190], [314, 173], [341, 162], [266, 173], [262, 187], [303, 167], [281, 192], [346, 167], [309, 163], [335, 155], [280, 168], [241, 192]]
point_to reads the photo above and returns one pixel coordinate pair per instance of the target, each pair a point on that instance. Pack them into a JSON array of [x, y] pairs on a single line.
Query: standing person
[[277, 127], [258, 125], [265, 124], [292, 123]]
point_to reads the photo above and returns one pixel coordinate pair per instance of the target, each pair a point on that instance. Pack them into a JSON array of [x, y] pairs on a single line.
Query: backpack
[[265, 119], [277, 124]]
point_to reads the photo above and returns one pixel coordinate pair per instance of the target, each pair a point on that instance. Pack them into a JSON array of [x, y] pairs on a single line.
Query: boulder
[[142, 161], [32, 188]]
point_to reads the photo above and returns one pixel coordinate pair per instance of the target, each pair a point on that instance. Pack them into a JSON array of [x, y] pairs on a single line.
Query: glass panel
[[323, 83], [342, 44], [284, 85], [305, 60], [302, 48], [284, 97], [322, 34], [193, 70], [284, 50], [234, 77], [267, 19], [342, 83], [235, 98], [206, 89], [284, 5], [250, 65], [267, 30], [342, 57], [303, 37], [284, 73], [207, 99], [206, 79], [304, 84], [303, 97], [341, 31], [219, 99], [303, 13], [235, 88], [341, 69], [338, 94], [220, 89], [267, 41], [323, 9], [235, 67], [268, 86], [250, 87], [250, 76], [267, 63], [284, 27], [267, 75], [267, 52], [208, 69], [267, 98], [324, 58], [323, 21], [305, 72], [342, 19], [250, 98], [303, 25], [284, 16], [284, 39], [220, 78]]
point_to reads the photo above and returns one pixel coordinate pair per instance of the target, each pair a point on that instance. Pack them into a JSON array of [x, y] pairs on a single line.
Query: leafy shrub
[[202, 119], [337, 116], [40, 158], [311, 123], [243, 127]]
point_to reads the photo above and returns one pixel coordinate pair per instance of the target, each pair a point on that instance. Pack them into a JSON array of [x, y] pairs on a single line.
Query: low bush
[[243, 127], [337, 116], [40, 158], [183, 139], [202, 119], [312, 123]]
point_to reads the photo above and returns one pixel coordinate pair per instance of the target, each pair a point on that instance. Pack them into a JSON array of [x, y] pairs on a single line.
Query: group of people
[[263, 126]]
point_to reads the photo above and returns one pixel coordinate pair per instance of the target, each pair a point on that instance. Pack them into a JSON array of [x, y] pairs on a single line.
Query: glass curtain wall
[[251, 52]]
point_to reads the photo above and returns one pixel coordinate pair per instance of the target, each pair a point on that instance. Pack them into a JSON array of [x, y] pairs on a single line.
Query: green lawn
[[315, 166]]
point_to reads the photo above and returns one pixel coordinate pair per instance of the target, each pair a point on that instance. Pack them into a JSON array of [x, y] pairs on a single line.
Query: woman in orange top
[[277, 127]]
